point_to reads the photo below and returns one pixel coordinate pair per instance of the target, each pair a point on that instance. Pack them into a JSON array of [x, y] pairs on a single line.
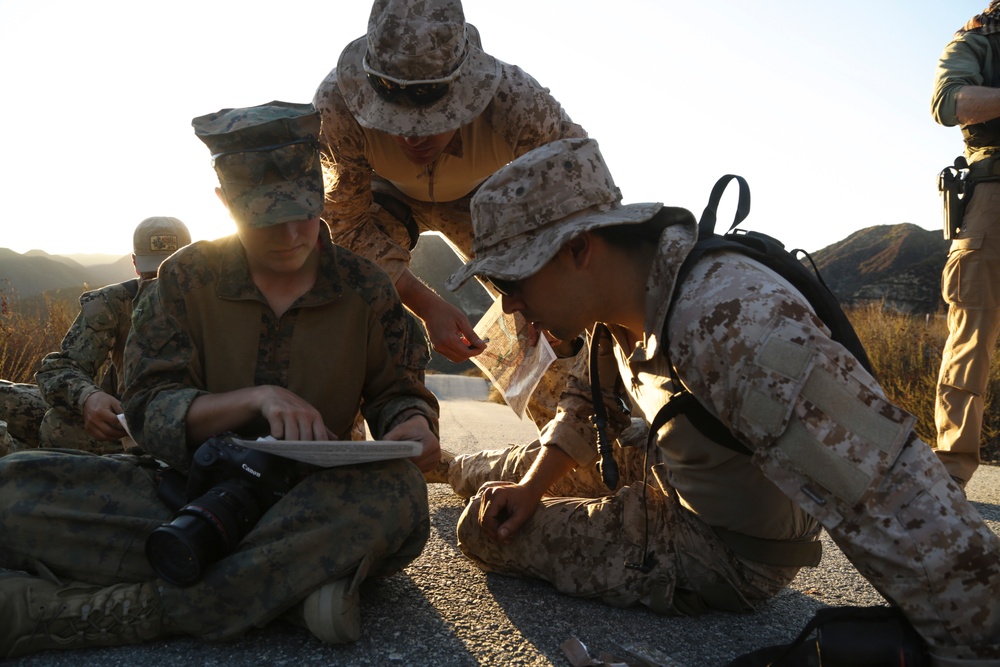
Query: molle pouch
[[955, 189], [847, 637]]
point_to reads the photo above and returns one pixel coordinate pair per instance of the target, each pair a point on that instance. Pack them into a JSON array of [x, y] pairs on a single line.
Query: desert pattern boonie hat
[[417, 43], [267, 160], [524, 213], [155, 239]]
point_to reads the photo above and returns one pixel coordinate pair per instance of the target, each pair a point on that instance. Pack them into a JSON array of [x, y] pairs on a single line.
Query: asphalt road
[[443, 611]]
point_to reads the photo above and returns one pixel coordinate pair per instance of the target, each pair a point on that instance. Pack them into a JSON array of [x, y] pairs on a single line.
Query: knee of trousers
[[392, 494]]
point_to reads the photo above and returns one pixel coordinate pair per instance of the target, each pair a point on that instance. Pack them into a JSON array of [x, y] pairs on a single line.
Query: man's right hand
[[290, 416], [448, 328], [100, 417]]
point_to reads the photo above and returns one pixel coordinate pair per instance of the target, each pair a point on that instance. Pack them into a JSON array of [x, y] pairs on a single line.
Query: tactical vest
[[984, 135]]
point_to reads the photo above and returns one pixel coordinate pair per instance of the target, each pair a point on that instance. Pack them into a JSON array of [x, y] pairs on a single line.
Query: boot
[[40, 615], [332, 612]]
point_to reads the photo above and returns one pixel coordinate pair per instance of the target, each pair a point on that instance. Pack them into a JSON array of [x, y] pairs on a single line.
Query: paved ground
[[443, 611]]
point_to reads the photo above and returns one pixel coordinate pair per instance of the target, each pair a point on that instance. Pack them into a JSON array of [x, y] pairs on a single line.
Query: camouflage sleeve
[[526, 114], [348, 205], [960, 64], [573, 429], [394, 387], [161, 375], [69, 376], [753, 352]]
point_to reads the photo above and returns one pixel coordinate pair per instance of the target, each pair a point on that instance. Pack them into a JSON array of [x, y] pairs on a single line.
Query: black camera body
[[228, 489]]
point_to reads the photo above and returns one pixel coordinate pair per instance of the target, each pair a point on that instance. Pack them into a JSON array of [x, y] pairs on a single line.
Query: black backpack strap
[[607, 465], [401, 211], [706, 226]]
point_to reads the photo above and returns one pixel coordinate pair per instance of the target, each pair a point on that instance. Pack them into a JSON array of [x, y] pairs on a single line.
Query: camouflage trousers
[[914, 537], [581, 536], [453, 220], [86, 518], [22, 407], [471, 471]]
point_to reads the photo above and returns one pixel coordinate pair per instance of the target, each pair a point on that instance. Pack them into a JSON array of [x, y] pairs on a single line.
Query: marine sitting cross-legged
[[273, 331], [716, 529]]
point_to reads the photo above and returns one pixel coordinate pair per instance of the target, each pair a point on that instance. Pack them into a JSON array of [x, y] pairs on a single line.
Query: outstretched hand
[[451, 333]]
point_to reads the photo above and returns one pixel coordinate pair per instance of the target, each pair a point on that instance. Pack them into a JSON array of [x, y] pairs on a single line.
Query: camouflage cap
[[155, 239], [524, 213], [267, 161], [418, 40]]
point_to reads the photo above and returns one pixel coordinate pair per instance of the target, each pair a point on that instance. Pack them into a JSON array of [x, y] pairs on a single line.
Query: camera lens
[[205, 530]]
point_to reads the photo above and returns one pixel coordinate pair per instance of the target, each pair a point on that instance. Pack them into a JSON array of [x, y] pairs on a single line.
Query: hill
[[900, 264], [36, 272]]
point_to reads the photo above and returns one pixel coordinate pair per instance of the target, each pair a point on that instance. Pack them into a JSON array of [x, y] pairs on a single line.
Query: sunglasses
[[293, 160], [504, 287], [421, 92]]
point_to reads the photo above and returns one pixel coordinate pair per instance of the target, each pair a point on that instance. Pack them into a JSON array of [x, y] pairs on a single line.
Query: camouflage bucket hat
[[415, 45], [524, 213], [267, 161], [155, 239]]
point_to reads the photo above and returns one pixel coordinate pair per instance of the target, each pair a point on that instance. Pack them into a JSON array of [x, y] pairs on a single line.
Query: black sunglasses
[[504, 287], [420, 92]]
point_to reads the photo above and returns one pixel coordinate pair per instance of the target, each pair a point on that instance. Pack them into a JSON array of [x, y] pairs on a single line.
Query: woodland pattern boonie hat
[[267, 161], [414, 46], [524, 213], [155, 239]]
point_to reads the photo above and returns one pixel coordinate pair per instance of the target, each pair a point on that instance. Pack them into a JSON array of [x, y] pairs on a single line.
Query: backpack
[[771, 253]]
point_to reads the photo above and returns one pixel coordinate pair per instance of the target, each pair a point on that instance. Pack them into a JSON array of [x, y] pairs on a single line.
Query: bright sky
[[823, 107]]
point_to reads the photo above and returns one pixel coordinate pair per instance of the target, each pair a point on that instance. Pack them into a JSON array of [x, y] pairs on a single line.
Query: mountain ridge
[[899, 264]]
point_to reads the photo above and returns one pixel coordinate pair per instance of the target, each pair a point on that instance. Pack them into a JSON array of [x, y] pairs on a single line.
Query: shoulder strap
[[607, 464]]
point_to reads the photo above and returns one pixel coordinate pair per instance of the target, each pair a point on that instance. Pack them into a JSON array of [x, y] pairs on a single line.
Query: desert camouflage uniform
[[22, 407], [751, 350], [67, 378], [522, 116], [355, 521]]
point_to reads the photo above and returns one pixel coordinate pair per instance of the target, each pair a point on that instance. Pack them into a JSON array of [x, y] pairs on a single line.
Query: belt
[[779, 553]]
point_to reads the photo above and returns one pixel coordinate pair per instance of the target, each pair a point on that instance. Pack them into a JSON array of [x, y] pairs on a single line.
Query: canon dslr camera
[[228, 489]]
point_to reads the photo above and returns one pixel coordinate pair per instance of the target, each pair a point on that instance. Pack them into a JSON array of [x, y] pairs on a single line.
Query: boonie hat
[[413, 43], [267, 161], [527, 210], [155, 239]]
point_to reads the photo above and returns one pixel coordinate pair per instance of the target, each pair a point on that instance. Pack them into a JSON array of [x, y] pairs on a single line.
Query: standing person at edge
[[84, 411], [553, 236], [967, 93], [226, 340], [415, 116]]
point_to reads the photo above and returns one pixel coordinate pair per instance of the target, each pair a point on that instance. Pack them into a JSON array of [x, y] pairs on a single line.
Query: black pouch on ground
[[847, 637]]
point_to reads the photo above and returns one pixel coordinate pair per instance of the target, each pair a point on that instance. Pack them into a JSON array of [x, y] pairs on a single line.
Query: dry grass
[[905, 351], [30, 329]]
